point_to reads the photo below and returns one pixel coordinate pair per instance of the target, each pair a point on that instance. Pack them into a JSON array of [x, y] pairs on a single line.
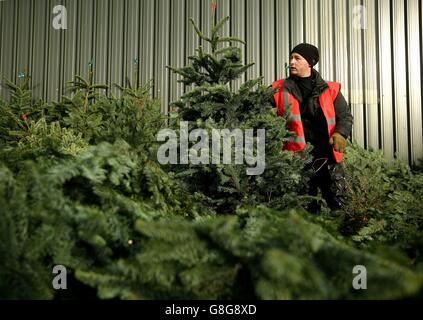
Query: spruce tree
[[74, 179], [213, 103]]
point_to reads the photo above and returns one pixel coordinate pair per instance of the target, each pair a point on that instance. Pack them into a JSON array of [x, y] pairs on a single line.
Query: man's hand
[[338, 141]]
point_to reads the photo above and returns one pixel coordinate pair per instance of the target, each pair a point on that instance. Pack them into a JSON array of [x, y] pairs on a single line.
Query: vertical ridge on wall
[[177, 38], [93, 26], [61, 81], [326, 45], [267, 42], [356, 63], [370, 75], [394, 128], [414, 80], [7, 52], [206, 21], [378, 74], [147, 41], [22, 36], [372, 47], [385, 61], [52, 61], [44, 61], [282, 37], [69, 46], [399, 62], [102, 41], [116, 34], [297, 24], [342, 56], [419, 156], [131, 44], [14, 43], [37, 59], [238, 10], [252, 38], [223, 10], [1, 44], [192, 40], [77, 27], [161, 73], [311, 29]]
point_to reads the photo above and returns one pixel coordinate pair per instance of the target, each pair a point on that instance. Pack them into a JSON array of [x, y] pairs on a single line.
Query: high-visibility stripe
[[296, 139], [331, 120], [285, 97], [294, 117]]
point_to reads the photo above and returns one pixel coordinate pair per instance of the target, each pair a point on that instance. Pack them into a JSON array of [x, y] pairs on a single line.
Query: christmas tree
[[75, 177], [212, 106]]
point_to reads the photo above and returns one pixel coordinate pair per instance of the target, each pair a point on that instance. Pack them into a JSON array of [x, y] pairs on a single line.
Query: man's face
[[299, 66]]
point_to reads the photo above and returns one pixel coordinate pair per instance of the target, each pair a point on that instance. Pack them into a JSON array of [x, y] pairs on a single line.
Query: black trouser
[[330, 179]]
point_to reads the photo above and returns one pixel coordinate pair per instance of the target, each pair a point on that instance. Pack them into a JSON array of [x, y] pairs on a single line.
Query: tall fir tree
[[213, 103]]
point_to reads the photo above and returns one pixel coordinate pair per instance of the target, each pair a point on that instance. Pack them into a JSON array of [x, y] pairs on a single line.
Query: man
[[319, 115]]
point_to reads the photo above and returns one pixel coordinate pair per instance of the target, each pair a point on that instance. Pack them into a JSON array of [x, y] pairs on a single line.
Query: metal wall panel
[[400, 79], [102, 41], [161, 73], [354, 32], [297, 22], [177, 52], [326, 39], [372, 47], [1, 43], [191, 38], [311, 23], [370, 76], [53, 56], [268, 41], [342, 54], [131, 40], [147, 41], [282, 35], [252, 37], [414, 80], [62, 77], [69, 48], [385, 63], [223, 9], [23, 38], [238, 20], [206, 19], [8, 62], [39, 36], [116, 71]]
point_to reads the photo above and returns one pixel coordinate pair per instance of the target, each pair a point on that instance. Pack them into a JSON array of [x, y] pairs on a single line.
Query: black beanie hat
[[308, 52]]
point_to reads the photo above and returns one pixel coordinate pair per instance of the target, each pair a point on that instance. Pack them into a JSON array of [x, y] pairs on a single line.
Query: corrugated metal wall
[[373, 47]]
